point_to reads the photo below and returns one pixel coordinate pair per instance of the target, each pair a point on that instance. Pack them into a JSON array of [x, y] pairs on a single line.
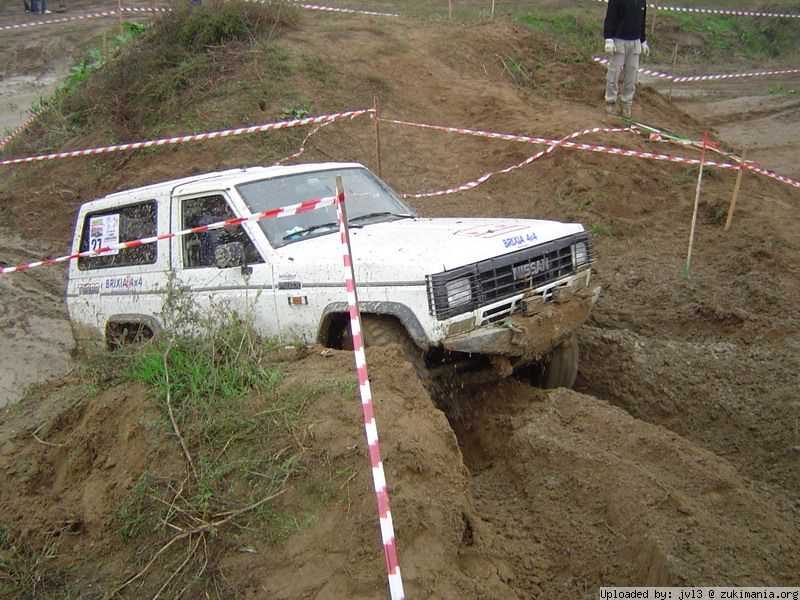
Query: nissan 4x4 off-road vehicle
[[482, 296]]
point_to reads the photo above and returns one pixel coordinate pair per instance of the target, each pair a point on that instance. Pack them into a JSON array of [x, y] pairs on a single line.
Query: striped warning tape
[[720, 11], [594, 148], [302, 149], [292, 209], [94, 15], [21, 128], [103, 13], [370, 427], [165, 9], [190, 138], [692, 78], [344, 10], [486, 176]]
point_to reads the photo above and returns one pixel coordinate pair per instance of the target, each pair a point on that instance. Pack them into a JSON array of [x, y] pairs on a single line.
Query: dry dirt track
[[676, 463]]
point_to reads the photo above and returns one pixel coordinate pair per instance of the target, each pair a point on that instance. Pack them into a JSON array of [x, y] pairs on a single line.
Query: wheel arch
[[336, 316], [117, 324]]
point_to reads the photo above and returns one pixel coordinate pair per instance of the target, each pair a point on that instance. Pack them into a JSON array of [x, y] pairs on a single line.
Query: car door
[[219, 271]]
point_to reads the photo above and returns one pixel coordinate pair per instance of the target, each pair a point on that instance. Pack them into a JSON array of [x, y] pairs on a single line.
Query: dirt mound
[[72, 457], [556, 493]]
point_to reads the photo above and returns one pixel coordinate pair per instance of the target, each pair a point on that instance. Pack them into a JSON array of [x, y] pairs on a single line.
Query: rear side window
[[117, 225]]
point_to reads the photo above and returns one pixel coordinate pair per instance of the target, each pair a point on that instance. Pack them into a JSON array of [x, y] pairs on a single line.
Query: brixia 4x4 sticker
[[489, 231]]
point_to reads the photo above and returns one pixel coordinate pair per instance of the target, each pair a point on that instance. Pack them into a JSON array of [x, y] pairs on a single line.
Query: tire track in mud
[[35, 338], [573, 493], [736, 400]]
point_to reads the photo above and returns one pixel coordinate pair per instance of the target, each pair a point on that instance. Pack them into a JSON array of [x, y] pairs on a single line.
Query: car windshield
[[368, 200]]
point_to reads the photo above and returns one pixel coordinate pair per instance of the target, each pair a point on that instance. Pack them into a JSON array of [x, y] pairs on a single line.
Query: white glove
[[645, 49], [609, 49]]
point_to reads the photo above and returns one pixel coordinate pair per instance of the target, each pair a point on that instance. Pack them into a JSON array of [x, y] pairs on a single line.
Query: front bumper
[[529, 335]]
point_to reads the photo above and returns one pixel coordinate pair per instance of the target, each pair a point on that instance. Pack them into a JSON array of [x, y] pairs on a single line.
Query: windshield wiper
[[384, 213], [306, 230]]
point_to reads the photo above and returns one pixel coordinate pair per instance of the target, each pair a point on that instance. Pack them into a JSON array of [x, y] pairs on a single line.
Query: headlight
[[459, 291], [580, 254]]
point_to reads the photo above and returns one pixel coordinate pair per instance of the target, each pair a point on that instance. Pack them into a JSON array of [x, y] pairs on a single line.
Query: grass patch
[[567, 30], [729, 38], [161, 83], [601, 229]]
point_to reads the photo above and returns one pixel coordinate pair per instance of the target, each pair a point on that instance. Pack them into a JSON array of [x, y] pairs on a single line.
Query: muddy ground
[[675, 461]]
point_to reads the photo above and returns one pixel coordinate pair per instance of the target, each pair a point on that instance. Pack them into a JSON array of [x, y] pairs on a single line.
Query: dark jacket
[[625, 19]]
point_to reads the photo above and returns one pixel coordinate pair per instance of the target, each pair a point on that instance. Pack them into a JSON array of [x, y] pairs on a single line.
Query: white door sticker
[[104, 232]]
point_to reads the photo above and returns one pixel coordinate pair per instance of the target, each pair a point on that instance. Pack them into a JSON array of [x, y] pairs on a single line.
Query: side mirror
[[229, 255]]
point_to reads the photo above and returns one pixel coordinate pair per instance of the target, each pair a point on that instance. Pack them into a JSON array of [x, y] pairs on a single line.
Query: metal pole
[[396, 591], [377, 136]]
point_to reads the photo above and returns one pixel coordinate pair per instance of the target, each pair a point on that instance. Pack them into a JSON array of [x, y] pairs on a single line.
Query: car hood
[[413, 248]]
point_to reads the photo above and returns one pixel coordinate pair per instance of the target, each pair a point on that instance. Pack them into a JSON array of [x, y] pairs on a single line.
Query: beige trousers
[[624, 62]]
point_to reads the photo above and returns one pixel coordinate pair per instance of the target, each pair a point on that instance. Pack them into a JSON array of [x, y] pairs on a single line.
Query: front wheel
[[380, 330], [557, 369]]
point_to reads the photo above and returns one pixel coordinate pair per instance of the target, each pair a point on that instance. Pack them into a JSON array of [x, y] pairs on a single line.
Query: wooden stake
[[655, 10], [674, 66], [450, 9], [377, 136], [735, 191], [493, 9], [696, 202], [119, 10]]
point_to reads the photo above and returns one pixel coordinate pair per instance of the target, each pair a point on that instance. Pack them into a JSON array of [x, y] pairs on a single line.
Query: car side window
[[199, 248], [114, 226]]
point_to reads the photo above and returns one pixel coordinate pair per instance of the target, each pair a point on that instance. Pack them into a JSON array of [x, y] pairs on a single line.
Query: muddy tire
[[383, 331], [558, 369]]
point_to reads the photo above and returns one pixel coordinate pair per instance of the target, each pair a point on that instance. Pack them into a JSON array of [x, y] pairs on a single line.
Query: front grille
[[504, 276]]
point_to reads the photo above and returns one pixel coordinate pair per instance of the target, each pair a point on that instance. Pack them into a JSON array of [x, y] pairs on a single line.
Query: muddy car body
[[485, 293]]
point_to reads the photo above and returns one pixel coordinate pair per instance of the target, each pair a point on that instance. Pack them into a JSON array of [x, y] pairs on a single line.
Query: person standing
[[35, 7], [27, 6], [625, 41]]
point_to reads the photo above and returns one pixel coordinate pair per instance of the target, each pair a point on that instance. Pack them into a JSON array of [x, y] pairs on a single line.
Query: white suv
[[484, 296]]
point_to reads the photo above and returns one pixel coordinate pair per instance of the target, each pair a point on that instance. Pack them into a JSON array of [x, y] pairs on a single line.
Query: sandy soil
[[674, 462]]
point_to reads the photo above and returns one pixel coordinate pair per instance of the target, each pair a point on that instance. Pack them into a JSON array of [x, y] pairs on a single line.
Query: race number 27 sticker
[[104, 232]]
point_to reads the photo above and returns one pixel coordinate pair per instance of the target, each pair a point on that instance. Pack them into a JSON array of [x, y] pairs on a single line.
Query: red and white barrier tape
[[21, 128], [594, 148], [483, 178], [285, 211], [94, 15], [692, 78], [191, 138], [370, 427], [720, 11], [300, 152], [344, 10]]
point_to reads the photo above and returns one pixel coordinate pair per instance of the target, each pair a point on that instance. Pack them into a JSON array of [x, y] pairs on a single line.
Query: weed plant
[[222, 395]]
